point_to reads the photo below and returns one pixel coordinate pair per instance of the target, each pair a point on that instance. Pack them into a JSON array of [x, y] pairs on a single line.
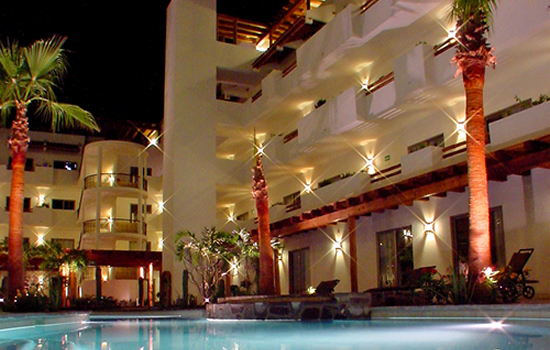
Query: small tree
[[209, 256]]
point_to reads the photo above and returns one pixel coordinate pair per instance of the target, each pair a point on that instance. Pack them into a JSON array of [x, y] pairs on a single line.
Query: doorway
[[460, 229], [299, 271], [395, 257]]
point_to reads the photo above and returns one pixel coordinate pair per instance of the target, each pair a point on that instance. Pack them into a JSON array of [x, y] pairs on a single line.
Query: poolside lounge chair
[[513, 282]]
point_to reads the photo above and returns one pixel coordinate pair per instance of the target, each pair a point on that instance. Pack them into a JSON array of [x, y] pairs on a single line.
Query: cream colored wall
[[393, 145], [523, 199], [191, 115]]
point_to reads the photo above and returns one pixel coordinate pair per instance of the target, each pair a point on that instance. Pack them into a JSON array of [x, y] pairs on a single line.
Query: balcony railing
[[114, 180], [110, 225]]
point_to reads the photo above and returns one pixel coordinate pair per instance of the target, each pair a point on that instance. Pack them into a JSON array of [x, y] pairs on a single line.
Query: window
[[29, 164], [63, 204], [395, 257], [61, 164], [134, 211], [243, 217], [26, 204], [437, 141], [65, 243], [292, 201], [134, 171]]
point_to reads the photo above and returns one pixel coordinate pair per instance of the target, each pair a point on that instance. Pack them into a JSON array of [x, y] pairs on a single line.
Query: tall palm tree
[[28, 77], [473, 19], [259, 193]]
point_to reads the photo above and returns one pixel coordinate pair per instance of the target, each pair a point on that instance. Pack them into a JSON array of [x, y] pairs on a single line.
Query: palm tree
[[28, 77], [473, 18], [259, 193]]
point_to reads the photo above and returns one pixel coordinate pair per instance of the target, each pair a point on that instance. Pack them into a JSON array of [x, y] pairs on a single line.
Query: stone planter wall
[[350, 306]]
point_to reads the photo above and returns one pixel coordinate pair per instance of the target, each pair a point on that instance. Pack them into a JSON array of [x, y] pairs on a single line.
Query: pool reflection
[[149, 334]]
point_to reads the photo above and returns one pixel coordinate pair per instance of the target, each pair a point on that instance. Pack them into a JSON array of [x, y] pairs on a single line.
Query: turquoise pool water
[[167, 334]]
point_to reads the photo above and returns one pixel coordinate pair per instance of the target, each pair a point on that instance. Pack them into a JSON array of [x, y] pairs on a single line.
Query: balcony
[[335, 117], [525, 125], [114, 180], [114, 226]]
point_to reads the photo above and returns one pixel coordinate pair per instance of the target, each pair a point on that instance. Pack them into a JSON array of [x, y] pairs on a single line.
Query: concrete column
[[98, 197]]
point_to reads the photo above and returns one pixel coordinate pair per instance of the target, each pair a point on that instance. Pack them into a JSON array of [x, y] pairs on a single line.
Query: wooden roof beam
[[375, 205]]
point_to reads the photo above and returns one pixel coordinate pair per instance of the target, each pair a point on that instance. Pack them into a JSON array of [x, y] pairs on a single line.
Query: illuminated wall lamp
[[429, 228], [370, 166], [338, 245], [461, 129]]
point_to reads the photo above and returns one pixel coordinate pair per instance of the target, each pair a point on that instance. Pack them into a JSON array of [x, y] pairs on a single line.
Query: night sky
[[115, 51], [115, 48]]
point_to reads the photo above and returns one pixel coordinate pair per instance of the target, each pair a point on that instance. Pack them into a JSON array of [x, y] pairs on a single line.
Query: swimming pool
[[167, 334]]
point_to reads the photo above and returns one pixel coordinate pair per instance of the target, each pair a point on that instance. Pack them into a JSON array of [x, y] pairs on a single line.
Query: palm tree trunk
[[480, 246], [259, 192], [18, 143]]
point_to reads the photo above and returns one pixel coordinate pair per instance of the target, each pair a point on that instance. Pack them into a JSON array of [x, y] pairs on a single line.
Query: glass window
[[29, 164], [65, 165], [395, 257], [26, 204], [63, 204]]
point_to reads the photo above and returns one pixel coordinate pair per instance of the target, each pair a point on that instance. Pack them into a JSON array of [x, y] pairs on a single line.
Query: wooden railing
[[380, 83], [290, 136], [446, 45], [256, 96], [454, 150], [367, 5], [386, 173]]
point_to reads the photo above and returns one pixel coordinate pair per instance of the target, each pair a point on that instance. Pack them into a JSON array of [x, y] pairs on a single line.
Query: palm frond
[[5, 110], [8, 67], [64, 115], [46, 58], [463, 10]]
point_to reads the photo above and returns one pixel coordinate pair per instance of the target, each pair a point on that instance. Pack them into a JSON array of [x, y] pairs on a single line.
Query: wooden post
[[98, 280], [353, 254], [277, 273], [150, 292]]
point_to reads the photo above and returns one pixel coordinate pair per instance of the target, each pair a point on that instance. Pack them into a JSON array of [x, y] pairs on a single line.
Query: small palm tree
[[28, 78], [473, 19]]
